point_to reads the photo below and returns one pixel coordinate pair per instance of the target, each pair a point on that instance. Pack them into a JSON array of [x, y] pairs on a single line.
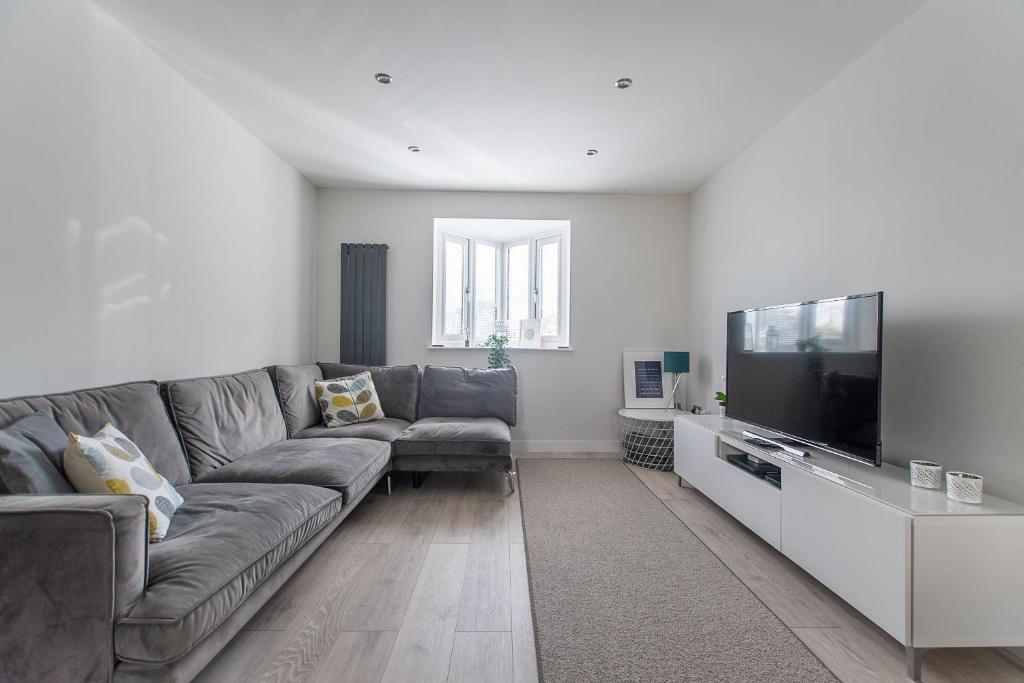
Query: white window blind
[[549, 263], [454, 287], [517, 288], [485, 292]]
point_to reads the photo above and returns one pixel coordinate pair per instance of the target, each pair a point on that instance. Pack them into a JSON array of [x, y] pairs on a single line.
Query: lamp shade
[[677, 361]]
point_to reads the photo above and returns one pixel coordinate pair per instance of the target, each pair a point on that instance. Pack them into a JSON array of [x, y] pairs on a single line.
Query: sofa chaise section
[[465, 419], [233, 430]]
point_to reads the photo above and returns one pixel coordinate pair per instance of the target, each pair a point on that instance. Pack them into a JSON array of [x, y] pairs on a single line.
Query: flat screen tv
[[810, 371]]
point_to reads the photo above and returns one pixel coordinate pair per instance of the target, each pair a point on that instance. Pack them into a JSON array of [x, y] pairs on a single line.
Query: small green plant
[[721, 397], [810, 345], [499, 356]]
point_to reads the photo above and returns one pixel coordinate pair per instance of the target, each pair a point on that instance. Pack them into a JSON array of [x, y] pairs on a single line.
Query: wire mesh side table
[[647, 437]]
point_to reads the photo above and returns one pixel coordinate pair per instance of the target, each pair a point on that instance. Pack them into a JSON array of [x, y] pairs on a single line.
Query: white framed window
[[450, 311], [494, 275]]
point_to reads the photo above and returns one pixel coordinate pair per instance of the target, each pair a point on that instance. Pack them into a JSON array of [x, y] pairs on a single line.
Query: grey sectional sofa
[[86, 597], [443, 420]]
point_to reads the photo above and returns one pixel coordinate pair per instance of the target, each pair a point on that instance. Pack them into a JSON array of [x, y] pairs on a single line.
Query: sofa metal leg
[[417, 479], [914, 655], [510, 479], [388, 477]]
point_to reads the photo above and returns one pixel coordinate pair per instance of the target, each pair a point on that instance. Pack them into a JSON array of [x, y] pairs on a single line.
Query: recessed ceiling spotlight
[[386, 79], [591, 152], [413, 148], [623, 83]]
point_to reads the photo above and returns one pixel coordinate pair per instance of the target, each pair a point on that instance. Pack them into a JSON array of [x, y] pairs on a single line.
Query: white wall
[[905, 174], [626, 292], [145, 233]]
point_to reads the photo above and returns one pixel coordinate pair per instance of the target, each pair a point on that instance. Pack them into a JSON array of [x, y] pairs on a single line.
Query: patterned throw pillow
[[109, 462], [348, 400]]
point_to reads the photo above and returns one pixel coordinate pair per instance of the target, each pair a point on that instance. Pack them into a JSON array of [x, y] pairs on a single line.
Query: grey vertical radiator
[[364, 303]]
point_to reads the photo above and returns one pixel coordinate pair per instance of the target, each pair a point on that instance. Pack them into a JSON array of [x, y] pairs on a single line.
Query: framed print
[[529, 333], [646, 383]]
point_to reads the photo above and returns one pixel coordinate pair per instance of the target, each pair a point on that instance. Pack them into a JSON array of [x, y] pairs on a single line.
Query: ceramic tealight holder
[[964, 486], [926, 474]]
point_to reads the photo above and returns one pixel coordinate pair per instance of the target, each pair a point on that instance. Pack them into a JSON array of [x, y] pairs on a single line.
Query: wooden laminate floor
[[430, 584]]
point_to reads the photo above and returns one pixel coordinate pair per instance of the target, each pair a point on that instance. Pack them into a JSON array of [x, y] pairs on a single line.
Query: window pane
[[777, 329], [517, 293], [547, 270], [485, 293], [829, 320], [454, 287]]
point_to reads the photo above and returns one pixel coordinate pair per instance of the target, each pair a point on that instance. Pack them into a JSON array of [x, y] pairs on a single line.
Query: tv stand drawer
[[751, 500], [856, 546]]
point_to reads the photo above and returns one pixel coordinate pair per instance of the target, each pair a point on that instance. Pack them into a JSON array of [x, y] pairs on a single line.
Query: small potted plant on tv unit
[[722, 400]]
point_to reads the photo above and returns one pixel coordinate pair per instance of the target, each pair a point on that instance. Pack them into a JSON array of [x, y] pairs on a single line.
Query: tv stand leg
[[914, 655]]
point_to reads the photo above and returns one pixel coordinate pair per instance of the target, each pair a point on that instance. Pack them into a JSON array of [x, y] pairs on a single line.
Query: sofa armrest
[[70, 566]]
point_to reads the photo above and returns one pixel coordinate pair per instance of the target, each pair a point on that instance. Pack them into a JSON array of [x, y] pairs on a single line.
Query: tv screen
[[811, 371]]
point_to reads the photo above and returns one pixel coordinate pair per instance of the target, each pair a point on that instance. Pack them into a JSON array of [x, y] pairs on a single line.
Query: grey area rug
[[623, 591]]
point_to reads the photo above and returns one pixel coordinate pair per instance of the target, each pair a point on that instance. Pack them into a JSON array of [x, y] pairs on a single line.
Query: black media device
[[810, 371], [759, 468]]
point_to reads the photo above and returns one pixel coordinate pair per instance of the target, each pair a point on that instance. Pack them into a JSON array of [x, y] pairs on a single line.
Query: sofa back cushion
[[220, 419], [469, 392], [30, 461], [295, 390], [397, 385], [134, 407]]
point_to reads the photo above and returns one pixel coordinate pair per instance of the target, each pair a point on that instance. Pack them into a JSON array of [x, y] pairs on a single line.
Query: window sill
[[486, 348]]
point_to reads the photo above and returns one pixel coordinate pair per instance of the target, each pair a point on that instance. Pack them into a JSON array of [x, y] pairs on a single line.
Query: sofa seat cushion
[[387, 429], [346, 465], [223, 542], [455, 436]]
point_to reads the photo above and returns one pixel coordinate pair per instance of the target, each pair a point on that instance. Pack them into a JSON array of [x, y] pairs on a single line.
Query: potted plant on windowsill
[[722, 400], [499, 355]]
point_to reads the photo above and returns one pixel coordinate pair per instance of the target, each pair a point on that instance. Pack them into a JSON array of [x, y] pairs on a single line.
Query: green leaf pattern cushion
[[348, 400], [110, 462]]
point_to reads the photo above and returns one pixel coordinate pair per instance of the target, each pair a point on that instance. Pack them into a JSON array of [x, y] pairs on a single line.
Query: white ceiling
[[508, 94]]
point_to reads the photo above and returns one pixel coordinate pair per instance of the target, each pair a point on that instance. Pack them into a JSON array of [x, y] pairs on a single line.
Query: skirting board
[[566, 446]]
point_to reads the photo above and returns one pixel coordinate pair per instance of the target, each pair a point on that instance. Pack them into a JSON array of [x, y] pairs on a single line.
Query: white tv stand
[[929, 571]]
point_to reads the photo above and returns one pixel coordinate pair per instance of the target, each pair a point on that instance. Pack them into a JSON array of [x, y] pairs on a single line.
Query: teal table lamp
[[678, 363]]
